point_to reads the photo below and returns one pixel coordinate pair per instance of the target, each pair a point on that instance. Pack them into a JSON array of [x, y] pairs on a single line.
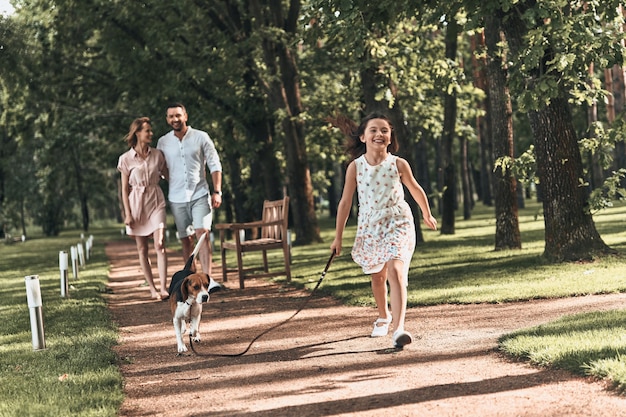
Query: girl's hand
[[431, 222], [128, 220], [335, 247]]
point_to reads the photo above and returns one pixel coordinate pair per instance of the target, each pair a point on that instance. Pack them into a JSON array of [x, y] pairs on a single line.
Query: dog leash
[[257, 337]]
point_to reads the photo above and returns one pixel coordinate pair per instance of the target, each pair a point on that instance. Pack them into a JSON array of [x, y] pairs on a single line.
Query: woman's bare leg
[[159, 248], [144, 262]]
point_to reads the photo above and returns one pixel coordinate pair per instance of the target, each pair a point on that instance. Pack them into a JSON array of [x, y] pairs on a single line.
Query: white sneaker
[[381, 327], [401, 338]]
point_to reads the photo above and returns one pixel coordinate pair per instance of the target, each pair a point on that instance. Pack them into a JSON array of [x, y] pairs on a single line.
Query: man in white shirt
[[186, 151]]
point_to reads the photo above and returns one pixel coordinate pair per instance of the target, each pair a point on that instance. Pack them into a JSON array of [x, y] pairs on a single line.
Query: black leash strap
[[306, 301]]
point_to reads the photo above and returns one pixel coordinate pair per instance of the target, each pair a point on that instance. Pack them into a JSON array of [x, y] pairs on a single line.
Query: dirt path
[[322, 363]]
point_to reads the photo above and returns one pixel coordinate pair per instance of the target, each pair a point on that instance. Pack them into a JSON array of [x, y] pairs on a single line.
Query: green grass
[[460, 268], [465, 268], [77, 373], [588, 344]]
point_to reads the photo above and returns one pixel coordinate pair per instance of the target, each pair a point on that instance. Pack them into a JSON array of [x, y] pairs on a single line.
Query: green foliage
[[523, 168], [562, 40], [611, 191], [74, 74]]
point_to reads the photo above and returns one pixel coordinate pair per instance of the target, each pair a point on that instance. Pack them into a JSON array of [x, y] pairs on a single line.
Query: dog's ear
[[206, 279], [183, 288]]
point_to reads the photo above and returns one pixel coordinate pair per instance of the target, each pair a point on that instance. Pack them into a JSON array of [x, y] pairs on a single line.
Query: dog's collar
[[186, 302]]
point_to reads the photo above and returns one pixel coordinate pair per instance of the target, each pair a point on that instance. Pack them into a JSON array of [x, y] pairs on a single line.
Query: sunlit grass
[[465, 268], [587, 344]]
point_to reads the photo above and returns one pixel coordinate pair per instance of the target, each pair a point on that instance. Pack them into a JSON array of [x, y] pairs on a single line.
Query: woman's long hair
[[353, 132]]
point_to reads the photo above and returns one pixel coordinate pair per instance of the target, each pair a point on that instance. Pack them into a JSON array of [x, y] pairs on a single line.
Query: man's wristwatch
[[218, 193]]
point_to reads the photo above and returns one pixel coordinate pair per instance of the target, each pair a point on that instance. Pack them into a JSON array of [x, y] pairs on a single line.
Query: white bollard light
[[81, 254], [242, 235], [33, 296], [167, 236], [87, 248], [289, 243], [74, 256], [90, 240], [63, 268]]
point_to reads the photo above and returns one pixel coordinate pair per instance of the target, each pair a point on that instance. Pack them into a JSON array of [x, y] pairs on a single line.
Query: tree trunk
[[570, 232], [468, 200], [80, 189], [449, 132], [501, 116], [619, 102], [596, 173], [483, 133], [285, 98], [298, 173], [266, 174]]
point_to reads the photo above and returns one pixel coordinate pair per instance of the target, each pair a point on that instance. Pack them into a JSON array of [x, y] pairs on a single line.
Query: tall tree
[[449, 200], [501, 117], [284, 93], [570, 233], [483, 121]]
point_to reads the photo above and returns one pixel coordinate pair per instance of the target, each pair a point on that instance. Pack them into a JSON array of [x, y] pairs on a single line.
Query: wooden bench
[[267, 234]]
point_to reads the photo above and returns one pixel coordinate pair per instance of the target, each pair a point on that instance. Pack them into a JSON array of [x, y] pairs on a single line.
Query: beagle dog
[[188, 291]]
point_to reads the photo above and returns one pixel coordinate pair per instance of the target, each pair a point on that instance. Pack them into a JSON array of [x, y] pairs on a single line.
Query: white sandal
[[381, 327]]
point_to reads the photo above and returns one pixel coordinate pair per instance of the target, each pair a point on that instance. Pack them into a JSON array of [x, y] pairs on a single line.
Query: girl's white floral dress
[[386, 229]]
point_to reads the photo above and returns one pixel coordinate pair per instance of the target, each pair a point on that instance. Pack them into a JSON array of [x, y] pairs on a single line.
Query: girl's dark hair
[[135, 126], [353, 146]]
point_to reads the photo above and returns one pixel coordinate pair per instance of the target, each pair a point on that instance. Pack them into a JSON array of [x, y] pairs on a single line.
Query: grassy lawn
[[77, 373], [464, 268]]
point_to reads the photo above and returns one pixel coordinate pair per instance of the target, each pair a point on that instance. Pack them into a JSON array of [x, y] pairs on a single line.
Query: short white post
[[242, 235], [90, 240], [63, 268], [81, 254], [74, 256], [289, 243], [33, 296], [167, 236], [87, 248]]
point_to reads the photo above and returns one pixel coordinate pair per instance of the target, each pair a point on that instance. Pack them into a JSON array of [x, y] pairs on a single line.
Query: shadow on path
[[323, 363]]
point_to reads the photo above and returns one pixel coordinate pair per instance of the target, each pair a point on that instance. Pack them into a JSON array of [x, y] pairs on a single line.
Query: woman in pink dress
[[142, 168], [385, 237]]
